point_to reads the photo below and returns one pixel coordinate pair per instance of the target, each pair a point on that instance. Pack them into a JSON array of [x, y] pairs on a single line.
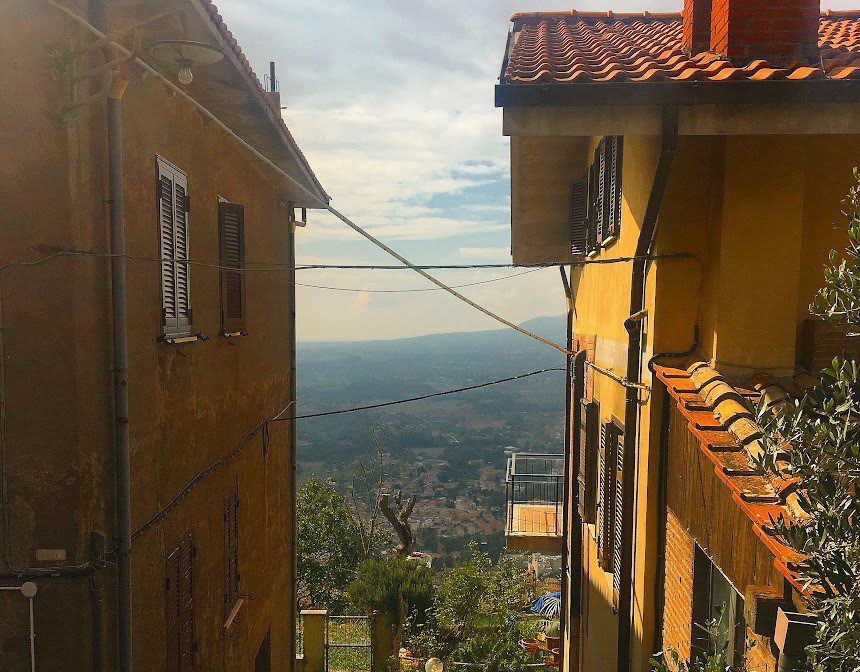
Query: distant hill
[[552, 328], [445, 445]]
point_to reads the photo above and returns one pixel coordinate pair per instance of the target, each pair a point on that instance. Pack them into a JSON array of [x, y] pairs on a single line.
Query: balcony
[[534, 489]]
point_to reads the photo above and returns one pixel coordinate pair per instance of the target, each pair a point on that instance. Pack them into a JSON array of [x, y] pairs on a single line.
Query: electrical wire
[[421, 289], [422, 397], [215, 466], [262, 267], [204, 473], [313, 198]]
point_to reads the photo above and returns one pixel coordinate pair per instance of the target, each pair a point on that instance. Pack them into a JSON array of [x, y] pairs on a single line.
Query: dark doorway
[[263, 661]]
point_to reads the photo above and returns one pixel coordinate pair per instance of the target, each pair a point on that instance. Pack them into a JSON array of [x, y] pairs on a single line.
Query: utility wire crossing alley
[[279, 417]]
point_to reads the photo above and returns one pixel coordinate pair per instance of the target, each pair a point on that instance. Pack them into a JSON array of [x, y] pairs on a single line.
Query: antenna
[[272, 85]]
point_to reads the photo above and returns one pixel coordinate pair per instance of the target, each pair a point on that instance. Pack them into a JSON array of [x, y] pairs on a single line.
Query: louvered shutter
[[172, 610], [183, 290], [231, 235], [172, 186], [602, 185], [589, 428], [618, 440], [601, 494], [591, 224], [179, 606], [231, 548], [167, 250], [579, 217], [186, 604], [615, 172], [606, 553]]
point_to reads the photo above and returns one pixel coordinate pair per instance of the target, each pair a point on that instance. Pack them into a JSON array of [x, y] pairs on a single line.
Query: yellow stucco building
[[689, 170]]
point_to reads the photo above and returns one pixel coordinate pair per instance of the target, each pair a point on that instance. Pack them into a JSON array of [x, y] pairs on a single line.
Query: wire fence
[[349, 646]]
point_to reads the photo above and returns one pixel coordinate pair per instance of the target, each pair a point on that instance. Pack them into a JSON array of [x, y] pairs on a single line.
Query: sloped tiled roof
[[719, 417], [567, 47]]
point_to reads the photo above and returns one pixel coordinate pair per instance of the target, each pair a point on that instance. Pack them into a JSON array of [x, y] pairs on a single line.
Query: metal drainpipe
[[668, 144], [565, 556], [122, 465], [293, 440]]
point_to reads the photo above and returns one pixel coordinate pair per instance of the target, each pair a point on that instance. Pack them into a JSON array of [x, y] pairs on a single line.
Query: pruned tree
[[399, 519], [370, 476]]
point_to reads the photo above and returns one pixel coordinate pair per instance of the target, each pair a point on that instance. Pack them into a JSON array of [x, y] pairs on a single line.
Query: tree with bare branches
[[399, 520]]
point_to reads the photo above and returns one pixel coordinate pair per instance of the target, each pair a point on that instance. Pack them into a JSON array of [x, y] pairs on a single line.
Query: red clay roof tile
[[729, 438], [561, 47]]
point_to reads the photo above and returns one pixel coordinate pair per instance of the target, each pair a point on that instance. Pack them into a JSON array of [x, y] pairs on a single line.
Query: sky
[[391, 102]]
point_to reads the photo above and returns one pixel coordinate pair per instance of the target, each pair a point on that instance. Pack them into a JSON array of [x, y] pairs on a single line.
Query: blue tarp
[[537, 606]]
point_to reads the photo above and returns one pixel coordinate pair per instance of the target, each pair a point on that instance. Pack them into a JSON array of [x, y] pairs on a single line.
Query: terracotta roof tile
[[730, 438], [561, 47]]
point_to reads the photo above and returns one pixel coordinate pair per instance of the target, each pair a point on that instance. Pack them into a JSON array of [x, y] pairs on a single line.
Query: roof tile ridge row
[[832, 14], [721, 421]]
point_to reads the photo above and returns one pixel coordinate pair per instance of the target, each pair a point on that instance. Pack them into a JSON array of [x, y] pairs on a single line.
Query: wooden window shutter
[[231, 237], [618, 522], [231, 548], [607, 498], [600, 159], [179, 606], [579, 217], [615, 171], [601, 494], [173, 207], [589, 429], [591, 225]]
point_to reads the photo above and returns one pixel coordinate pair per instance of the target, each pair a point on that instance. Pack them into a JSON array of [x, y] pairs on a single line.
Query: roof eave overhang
[[306, 177], [629, 94]]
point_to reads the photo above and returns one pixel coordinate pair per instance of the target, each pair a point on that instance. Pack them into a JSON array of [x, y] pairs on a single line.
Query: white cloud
[[497, 254]]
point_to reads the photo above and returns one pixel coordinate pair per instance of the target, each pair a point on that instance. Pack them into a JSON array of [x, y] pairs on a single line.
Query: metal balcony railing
[[534, 487]]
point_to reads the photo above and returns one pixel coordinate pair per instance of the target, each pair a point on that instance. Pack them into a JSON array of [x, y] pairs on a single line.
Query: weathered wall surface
[[190, 404], [701, 510], [757, 216]]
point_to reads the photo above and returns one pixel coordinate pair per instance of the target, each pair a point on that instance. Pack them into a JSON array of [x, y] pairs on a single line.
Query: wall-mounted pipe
[[122, 457], [668, 144], [28, 590]]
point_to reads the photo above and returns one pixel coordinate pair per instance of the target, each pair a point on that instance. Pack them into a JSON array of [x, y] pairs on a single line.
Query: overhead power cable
[[279, 417], [248, 267], [419, 289], [422, 397], [295, 183]]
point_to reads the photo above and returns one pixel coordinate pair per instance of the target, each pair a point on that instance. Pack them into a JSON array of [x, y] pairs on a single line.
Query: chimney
[[697, 26], [774, 30]]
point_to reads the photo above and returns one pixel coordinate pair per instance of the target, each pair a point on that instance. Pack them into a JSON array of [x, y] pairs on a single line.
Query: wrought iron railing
[[534, 487]]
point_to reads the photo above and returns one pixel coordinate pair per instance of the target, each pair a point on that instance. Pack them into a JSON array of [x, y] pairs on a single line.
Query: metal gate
[[348, 644]]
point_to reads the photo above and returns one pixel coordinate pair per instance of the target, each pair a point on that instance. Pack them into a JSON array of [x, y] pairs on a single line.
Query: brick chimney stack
[[697, 26], [775, 30]]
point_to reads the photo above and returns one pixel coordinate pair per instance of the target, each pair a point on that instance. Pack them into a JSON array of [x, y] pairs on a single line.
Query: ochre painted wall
[[189, 404], [542, 171], [755, 215]]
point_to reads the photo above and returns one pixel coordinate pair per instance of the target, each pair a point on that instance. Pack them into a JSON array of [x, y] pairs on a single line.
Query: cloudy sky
[[392, 103]]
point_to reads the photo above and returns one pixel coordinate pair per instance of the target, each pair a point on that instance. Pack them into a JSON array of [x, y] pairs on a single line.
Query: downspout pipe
[[293, 441], [668, 145], [122, 460], [565, 537]]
